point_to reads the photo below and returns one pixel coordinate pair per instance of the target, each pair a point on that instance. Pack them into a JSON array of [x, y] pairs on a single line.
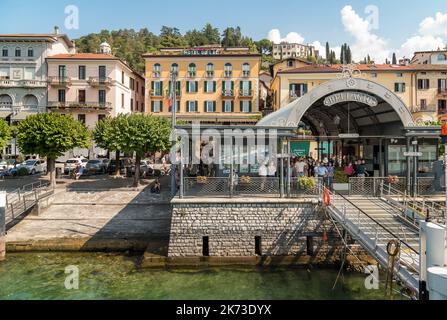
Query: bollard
[[2, 225]]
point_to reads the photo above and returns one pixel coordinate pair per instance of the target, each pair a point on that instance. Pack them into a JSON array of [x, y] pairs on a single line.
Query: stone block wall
[[232, 228]]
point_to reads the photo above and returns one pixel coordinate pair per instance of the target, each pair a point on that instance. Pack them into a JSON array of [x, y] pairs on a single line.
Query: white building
[[430, 57], [23, 73], [286, 50]]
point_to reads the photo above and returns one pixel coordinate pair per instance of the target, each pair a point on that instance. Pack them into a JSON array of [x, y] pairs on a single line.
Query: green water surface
[[113, 276]]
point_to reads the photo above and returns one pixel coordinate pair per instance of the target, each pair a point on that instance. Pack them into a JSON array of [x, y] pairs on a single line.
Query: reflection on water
[[115, 276]]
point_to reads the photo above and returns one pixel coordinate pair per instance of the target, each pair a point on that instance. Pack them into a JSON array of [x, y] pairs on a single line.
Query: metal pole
[[415, 169], [445, 174], [174, 136], [281, 173], [181, 170], [2, 225], [289, 171], [408, 167]]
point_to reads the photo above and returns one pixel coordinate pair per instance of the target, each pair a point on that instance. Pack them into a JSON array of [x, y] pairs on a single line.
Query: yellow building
[[214, 84], [421, 87]]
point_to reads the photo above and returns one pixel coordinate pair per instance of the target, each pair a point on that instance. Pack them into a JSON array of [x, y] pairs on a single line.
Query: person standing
[[321, 172], [263, 175], [300, 167]]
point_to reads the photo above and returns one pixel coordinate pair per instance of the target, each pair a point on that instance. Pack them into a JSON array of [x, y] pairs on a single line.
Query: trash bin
[[58, 173]]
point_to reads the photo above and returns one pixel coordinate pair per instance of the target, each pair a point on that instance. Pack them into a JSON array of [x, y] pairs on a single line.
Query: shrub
[[340, 176], [307, 183]]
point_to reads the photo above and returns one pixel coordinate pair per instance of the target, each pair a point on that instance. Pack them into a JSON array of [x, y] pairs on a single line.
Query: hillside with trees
[[130, 45]]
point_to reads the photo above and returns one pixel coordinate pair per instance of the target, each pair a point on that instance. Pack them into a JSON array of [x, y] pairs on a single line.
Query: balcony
[[156, 74], [245, 74], [228, 93], [192, 74], [442, 92], [246, 93], [209, 74], [99, 81], [156, 94], [228, 74], [59, 81], [178, 93], [80, 105]]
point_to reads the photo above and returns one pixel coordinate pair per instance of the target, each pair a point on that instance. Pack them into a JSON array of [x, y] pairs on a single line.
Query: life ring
[[326, 197]]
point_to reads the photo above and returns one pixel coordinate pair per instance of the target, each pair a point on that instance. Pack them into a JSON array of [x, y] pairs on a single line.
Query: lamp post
[[174, 136], [15, 147]]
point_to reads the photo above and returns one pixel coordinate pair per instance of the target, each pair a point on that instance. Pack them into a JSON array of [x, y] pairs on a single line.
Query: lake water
[[116, 276]]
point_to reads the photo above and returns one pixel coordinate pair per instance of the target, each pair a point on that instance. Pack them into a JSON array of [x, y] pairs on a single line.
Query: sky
[[377, 27]]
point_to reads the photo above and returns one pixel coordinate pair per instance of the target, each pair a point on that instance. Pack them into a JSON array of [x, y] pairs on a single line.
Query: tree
[[348, 55], [50, 135], [394, 58], [328, 53], [264, 46], [5, 133], [211, 34], [136, 133]]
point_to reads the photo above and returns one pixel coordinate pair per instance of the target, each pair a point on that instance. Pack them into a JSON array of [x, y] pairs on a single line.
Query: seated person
[[156, 188]]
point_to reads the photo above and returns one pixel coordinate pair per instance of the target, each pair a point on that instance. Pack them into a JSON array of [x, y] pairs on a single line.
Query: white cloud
[[434, 26], [293, 37], [420, 43], [365, 41]]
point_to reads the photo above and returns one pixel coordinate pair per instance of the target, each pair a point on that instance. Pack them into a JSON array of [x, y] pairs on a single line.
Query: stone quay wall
[[285, 228]]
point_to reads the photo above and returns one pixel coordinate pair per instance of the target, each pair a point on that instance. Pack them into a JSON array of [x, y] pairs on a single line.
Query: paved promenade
[[100, 213]]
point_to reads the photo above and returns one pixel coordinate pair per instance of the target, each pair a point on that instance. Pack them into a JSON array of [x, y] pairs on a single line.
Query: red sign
[[444, 129]]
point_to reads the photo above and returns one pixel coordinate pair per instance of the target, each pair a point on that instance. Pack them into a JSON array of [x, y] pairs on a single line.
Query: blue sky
[[398, 27]]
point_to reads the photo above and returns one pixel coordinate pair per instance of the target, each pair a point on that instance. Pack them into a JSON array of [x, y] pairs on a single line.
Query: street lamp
[[15, 146], [173, 135]]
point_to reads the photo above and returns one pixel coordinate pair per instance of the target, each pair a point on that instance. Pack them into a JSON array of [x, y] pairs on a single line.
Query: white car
[[71, 164], [34, 166]]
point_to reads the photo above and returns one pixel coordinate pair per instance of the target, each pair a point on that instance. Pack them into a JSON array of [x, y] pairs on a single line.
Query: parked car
[[33, 166], [95, 166], [112, 166], [71, 164]]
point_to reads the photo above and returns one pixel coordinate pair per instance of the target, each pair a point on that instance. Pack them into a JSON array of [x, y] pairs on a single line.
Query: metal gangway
[[21, 200], [375, 221]]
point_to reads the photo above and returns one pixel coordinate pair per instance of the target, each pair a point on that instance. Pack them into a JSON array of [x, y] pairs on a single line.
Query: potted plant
[[245, 180], [307, 183], [341, 181], [202, 180]]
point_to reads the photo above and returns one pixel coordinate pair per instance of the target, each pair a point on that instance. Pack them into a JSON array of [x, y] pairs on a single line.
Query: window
[[442, 57], [442, 107], [210, 86], [210, 106], [174, 68], [131, 104], [102, 72], [101, 117], [102, 96], [122, 100], [62, 72], [81, 96], [192, 86], [374, 75], [5, 52], [228, 88], [30, 52], [423, 104], [246, 70], [423, 84], [81, 73], [123, 78], [137, 86], [228, 70], [81, 118], [156, 106], [18, 52], [399, 75], [177, 103], [442, 85], [245, 106], [61, 95], [258, 246], [245, 88], [156, 70], [289, 63], [191, 106], [192, 69], [177, 88], [132, 84], [210, 70], [157, 88], [399, 87], [297, 89], [227, 106]]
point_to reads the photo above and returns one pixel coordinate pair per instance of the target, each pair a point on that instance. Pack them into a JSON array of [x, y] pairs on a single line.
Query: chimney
[[56, 30]]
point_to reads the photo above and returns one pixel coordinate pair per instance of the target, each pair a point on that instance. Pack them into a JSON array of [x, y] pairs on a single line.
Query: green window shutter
[[204, 106], [241, 85], [161, 87], [249, 85], [223, 106], [232, 106], [161, 106], [187, 106], [187, 86], [241, 105], [291, 87], [232, 85], [214, 86], [196, 106], [152, 106], [250, 105], [205, 87], [197, 86], [152, 85], [214, 106]]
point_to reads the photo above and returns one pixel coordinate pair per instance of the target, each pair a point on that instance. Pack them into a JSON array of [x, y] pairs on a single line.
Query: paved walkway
[[98, 210]]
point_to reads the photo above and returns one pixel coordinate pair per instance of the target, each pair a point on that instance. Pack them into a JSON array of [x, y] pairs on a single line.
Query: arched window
[[5, 100], [30, 101], [174, 68], [192, 69], [442, 57], [30, 52], [246, 69], [156, 70], [18, 52], [210, 70], [5, 52], [228, 70]]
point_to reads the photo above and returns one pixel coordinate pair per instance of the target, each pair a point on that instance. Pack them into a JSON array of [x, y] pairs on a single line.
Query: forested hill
[[130, 45]]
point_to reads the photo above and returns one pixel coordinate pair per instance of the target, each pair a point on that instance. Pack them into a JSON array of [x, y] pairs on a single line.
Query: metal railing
[[374, 237], [24, 198], [244, 186], [412, 209], [370, 186]]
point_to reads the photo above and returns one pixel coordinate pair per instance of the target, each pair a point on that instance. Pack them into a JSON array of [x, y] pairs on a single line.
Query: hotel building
[[90, 86], [214, 84]]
